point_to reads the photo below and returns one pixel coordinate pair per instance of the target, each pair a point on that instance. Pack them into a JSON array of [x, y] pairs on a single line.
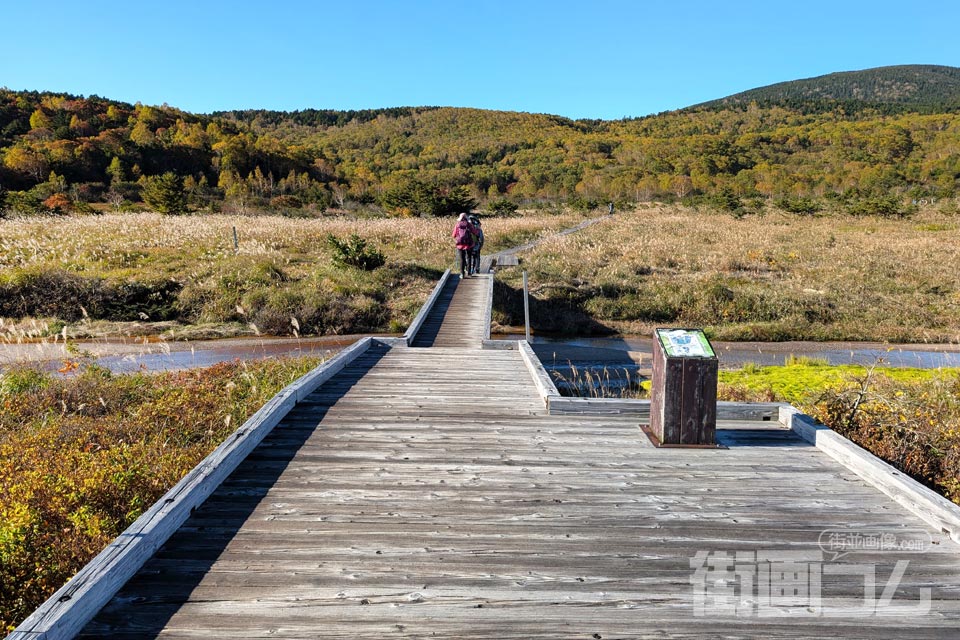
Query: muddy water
[[631, 354], [733, 355], [126, 356]]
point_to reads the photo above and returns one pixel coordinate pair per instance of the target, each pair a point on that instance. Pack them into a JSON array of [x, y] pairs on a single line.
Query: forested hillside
[[62, 153], [897, 89]]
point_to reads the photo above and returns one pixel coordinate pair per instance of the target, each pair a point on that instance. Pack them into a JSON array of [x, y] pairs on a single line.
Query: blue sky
[[599, 59]]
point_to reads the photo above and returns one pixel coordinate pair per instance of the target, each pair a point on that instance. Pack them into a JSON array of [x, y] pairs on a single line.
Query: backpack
[[463, 234], [476, 232]]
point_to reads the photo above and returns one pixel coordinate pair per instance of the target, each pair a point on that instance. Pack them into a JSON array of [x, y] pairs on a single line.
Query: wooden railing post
[[526, 307]]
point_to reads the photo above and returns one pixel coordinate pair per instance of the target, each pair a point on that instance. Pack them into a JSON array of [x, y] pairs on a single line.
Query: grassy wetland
[[768, 277], [184, 275], [771, 277], [82, 457]]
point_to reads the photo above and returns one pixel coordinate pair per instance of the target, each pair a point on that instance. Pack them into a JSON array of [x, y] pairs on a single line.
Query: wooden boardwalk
[[425, 492], [457, 318]]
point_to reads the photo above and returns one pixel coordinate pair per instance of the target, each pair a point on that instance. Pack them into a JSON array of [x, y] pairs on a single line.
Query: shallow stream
[[627, 354]]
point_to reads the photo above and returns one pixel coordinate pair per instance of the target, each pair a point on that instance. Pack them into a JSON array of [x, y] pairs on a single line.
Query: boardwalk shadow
[[563, 313], [771, 436], [166, 582], [434, 321], [409, 270]]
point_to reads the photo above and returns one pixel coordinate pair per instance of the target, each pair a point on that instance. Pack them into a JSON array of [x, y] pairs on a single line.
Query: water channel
[[630, 354]]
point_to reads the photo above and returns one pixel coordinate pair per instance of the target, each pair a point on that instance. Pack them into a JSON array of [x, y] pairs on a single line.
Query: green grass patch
[[801, 381]]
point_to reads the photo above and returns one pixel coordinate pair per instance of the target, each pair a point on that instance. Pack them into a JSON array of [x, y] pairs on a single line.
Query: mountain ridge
[[923, 88], [891, 89]]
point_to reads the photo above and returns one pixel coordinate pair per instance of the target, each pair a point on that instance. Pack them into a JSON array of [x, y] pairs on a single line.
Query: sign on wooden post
[[683, 396]]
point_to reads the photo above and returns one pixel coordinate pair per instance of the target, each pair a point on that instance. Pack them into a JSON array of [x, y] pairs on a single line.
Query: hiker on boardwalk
[[464, 235], [477, 245]]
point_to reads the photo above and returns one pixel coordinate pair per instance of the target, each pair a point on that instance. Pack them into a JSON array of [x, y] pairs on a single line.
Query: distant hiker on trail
[[477, 245], [464, 234], [611, 208]]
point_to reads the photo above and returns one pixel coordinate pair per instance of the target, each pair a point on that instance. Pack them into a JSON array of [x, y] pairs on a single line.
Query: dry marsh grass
[[760, 277], [148, 267], [770, 277]]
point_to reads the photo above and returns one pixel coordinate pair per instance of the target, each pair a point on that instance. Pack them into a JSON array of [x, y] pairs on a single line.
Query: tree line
[[61, 153]]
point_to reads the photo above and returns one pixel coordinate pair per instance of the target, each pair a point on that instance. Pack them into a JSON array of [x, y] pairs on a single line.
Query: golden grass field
[[766, 277], [771, 277], [81, 270]]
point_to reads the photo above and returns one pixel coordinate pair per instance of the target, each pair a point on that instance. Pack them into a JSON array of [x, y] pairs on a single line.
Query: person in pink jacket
[[465, 235]]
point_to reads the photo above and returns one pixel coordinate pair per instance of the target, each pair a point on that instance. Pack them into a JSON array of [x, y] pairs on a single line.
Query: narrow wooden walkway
[[508, 257], [425, 493], [424, 515], [457, 318]]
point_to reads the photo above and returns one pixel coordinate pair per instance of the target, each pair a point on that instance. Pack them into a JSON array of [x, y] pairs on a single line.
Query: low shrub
[[726, 200], [799, 205], [502, 207], [912, 424], [286, 202], [881, 206], [354, 252], [582, 203], [24, 203], [82, 457], [58, 203]]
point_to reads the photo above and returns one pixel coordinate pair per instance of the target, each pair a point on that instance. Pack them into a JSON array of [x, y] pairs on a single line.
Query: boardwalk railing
[[425, 310], [488, 311], [924, 503], [65, 613]]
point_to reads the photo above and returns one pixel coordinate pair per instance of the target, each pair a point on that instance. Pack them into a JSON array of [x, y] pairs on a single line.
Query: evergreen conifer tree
[[165, 193]]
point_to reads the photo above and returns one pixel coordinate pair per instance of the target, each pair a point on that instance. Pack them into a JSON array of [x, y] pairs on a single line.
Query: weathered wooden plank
[[918, 499]]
